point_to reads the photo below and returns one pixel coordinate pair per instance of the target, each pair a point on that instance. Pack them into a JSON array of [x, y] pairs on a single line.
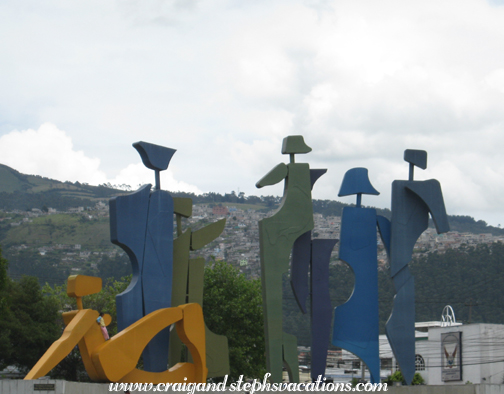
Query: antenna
[[448, 317]]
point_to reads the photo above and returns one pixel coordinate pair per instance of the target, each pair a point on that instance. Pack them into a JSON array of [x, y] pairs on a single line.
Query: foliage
[[232, 306], [468, 224], [398, 377], [104, 301], [469, 279], [30, 323], [60, 229], [417, 379], [71, 368], [116, 267], [5, 345], [30, 262]]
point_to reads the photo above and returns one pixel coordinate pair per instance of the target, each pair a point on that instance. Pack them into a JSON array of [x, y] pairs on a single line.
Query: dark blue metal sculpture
[[141, 223], [356, 322], [412, 201], [321, 308], [313, 256]]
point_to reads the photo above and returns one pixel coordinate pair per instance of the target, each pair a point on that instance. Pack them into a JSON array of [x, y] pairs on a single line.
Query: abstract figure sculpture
[[141, 223], [312, 256], [277, 235], [412, 201], [188, 285], [115, 360], [356, 321]]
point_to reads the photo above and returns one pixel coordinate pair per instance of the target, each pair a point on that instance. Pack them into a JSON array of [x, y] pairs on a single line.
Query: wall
[[60, 387], [480, 351]]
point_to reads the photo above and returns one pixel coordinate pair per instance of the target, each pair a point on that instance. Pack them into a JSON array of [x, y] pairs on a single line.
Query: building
[[459, 354], [220, 210]]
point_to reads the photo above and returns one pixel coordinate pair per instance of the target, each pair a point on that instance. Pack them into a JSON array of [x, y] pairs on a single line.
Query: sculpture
[[115, 360], [412, 201], [313, 256], [141, 223], [356, 321], [277, 235], [188, 285]]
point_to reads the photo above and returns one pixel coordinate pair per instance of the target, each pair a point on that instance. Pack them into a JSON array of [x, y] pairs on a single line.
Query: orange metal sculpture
[[115, 360]]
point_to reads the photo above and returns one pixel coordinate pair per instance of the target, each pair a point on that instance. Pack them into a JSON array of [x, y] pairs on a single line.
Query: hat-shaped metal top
[[294, 144], [155, 157], [356, 181], [416, 157]]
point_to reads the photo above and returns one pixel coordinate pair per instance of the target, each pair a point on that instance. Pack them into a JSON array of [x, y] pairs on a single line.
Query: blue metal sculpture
[[141, 223], [321, 308], [313, 256], [412, 201], [356, 322]]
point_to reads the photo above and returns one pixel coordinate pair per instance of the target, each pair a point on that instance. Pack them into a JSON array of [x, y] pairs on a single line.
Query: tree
[[398, 377], [104, 301], [30, 323], [5, 345], [232, 306], [115, 267]]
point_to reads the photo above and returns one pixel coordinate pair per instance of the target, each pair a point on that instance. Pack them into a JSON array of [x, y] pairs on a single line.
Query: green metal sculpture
[[277, 235], [187, 286]]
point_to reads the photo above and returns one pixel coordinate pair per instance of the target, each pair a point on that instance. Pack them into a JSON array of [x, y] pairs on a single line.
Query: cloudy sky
[[223, 82]]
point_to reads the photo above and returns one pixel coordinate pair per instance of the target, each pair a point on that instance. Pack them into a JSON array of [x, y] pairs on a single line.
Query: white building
[[477, 357], [455, 354]]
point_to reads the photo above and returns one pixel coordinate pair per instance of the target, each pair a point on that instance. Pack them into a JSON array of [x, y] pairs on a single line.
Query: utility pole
[[470, 304]]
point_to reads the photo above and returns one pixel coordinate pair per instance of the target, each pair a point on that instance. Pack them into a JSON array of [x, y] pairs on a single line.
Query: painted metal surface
[[188, 287], [277, 235], [412, 201], [321, 308], [312, 257], [141, 223], [115, 360], [356, 321]]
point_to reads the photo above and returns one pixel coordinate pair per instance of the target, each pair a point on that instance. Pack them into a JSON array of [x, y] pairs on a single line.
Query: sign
[[451, 356], [44, 387]]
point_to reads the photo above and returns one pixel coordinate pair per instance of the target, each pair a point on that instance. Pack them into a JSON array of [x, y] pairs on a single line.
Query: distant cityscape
[[238, 244]]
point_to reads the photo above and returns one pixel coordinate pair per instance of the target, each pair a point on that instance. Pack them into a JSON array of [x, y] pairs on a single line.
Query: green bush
[[398, 377]]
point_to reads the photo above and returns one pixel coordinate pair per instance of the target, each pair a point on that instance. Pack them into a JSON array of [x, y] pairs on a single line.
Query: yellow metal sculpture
[[115, 360]]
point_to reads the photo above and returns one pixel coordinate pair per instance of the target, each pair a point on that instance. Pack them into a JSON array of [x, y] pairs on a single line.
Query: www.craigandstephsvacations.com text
[[250, 387]]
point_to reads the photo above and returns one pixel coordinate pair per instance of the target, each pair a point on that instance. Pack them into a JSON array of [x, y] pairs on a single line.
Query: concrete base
[[52, 387]]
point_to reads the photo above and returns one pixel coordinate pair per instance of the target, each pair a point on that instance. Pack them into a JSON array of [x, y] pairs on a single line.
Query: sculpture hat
[[294, 144], [356, 181]]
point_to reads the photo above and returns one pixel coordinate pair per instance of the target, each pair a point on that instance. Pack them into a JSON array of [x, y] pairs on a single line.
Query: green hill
[[23, 192], [61, 229]]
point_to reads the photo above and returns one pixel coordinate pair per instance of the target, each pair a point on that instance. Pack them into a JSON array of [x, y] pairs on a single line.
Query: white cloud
[[224, 82], [49, 152], [137, 174]]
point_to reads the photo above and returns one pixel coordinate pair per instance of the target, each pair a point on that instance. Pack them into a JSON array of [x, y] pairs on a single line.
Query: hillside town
[[238, 244]]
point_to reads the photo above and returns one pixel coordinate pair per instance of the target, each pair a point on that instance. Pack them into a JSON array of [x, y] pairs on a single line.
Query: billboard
[[451, 356]]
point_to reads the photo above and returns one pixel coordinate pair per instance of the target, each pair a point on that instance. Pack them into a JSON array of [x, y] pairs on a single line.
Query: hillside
[[22, 192], [52, 245], [66, 225]]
